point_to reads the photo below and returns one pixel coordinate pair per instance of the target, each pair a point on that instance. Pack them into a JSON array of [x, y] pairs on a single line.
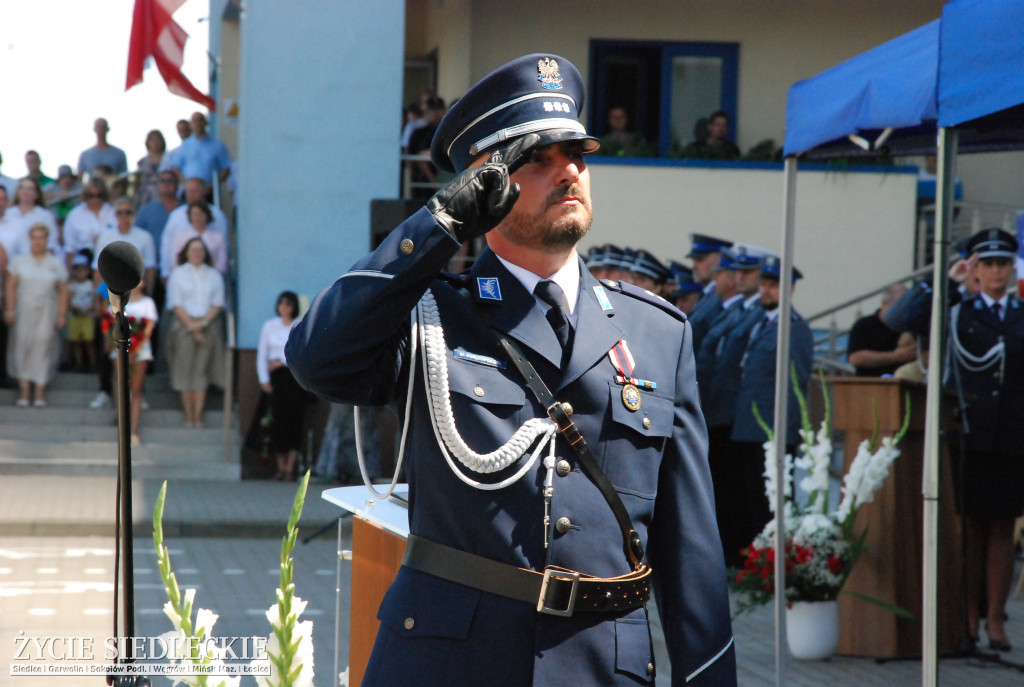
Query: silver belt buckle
[[559, 576]]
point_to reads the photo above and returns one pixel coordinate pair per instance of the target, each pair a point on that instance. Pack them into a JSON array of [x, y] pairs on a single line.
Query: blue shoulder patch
[[488, 288]]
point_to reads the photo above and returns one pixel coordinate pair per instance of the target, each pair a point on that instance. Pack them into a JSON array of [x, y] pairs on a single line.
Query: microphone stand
[[123, 519]]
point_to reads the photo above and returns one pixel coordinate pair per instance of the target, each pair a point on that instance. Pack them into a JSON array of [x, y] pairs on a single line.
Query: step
[[58, 418], [151, 459], [163, 434], [82, 399]]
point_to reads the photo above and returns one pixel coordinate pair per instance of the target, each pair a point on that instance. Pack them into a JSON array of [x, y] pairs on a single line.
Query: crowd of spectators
[[52, 230]]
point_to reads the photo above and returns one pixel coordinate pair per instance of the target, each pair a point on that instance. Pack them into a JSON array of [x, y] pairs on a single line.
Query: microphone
[[121, 267]]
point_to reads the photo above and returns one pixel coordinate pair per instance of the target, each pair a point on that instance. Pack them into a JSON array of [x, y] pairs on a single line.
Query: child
[[142, 316], [82, 325]]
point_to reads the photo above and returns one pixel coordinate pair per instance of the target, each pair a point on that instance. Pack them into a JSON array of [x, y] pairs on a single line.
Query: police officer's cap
[[771, 269], [683, 277], [612, 255], [536, 94], [747, 257], [625, 259], [646, 264], [701, 245], [595, 257], [993, 243], [728, 261]]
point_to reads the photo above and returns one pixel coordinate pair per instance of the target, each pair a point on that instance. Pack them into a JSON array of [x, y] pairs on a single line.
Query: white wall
[[318, 133], [854, 230]]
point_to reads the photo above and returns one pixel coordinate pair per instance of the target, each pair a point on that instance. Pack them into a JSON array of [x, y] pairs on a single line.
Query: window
[[666, 88]]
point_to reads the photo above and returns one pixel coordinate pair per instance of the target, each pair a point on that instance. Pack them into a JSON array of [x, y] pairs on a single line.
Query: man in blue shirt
[[102, 153], [201, 156]]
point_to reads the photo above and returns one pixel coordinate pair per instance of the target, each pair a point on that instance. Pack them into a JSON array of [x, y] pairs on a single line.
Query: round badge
[[631, 397]]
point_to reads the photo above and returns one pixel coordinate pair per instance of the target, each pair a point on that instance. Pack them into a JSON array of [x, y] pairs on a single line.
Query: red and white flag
[[155, 34]]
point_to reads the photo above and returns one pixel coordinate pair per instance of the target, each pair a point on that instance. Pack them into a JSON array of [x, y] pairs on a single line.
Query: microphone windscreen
[[121, 266]]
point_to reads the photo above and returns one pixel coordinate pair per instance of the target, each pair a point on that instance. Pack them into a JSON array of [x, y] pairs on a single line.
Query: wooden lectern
[[891, 567], [379, 532]]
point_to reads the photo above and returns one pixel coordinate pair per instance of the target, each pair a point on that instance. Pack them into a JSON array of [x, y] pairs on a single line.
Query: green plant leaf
[[892, 608]]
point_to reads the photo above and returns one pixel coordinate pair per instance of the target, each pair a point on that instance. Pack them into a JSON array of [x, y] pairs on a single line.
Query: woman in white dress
[[35, 306], [195, 343]]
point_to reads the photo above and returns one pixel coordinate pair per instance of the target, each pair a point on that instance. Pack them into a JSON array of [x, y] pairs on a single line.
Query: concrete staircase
[[70, 438]]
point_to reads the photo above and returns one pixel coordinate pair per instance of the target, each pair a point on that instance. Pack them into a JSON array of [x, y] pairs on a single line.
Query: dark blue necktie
[[551, 294], [995, 310]]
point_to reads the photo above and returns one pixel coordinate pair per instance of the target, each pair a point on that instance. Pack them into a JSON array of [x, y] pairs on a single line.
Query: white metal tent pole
[[947, 145], [781, 398]]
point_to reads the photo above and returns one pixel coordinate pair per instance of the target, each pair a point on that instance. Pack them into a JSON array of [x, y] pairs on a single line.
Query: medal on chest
[[622, 360]]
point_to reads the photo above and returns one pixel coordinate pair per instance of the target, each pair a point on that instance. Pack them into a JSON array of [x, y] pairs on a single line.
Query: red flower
[[771, 555], [766, 572], [834, 565], [803, 555], [739, 578]]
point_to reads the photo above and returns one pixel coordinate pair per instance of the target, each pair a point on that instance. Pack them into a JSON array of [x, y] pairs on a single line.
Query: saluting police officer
[[987, 341], [757, 386], [536, 509]]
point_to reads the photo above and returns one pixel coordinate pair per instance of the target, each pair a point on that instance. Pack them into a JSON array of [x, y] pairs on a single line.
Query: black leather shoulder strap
[[556, 411]]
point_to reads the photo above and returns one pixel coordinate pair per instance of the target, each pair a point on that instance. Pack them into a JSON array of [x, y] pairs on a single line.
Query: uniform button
[[563, 525], [995, 393], [647, 423], [650, 668], [409, 623], [567, 408], [406, 246], [478, 390], [563, 468]]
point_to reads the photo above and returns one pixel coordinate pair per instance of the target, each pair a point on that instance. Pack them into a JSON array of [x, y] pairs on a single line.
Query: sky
[[63, 64]]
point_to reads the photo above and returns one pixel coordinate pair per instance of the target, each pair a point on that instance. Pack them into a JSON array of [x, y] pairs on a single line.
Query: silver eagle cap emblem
[[549, 76]]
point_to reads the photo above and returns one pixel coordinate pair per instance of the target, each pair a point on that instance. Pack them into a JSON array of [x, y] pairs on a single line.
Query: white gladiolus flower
[[303, 631], [172, 615], [205, 620]]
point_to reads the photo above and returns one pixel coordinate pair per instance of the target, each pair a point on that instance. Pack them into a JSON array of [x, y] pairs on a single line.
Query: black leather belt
[[556, 591]]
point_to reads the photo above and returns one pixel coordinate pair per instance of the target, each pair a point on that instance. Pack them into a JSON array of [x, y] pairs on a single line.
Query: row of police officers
[[735, 337]]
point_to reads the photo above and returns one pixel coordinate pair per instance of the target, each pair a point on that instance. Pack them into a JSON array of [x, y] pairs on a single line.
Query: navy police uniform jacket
[[354, 346], [757, 384], [995, 395], [720, 380], [704, 313]]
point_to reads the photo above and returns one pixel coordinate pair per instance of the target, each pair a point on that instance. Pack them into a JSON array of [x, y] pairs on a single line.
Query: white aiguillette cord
[[435, 379]]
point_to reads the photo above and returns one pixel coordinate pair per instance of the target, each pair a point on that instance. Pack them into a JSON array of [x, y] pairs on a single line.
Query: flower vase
[[812, 629]]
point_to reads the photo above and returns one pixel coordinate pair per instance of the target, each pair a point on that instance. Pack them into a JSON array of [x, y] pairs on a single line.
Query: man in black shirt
[[873, 348]]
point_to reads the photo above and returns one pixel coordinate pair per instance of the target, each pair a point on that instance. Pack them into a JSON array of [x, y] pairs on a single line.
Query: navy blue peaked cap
[[649, 266], [728, 261], [703, 244], [993, 243], [771, 269], [535, 94]]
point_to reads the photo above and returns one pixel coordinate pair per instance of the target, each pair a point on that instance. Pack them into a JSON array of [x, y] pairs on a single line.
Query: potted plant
[[821, 546]]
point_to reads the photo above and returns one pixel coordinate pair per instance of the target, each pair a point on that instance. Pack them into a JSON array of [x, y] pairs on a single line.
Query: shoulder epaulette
[[644, 295], [459, 281]]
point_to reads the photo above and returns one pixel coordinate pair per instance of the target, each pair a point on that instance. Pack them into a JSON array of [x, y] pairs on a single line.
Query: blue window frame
[[666, 87]]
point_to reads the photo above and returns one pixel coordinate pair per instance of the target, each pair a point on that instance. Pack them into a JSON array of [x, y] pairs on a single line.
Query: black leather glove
[[476, 201]]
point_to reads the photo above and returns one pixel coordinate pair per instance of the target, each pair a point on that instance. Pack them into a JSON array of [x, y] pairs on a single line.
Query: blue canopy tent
[[955, 84]]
